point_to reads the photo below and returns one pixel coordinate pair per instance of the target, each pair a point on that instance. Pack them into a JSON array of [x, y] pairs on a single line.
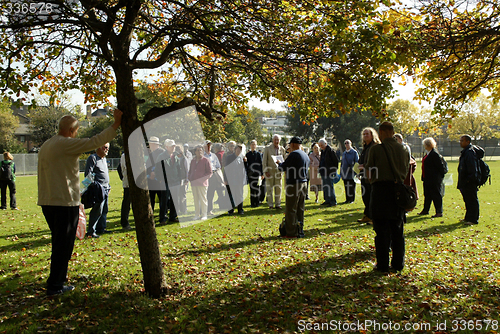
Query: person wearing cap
[[295, 167], [272, 174], [154, 185], [216, 182], [170, 166]]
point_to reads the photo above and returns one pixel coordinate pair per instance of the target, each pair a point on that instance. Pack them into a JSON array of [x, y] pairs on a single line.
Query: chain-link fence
[[27, 164]]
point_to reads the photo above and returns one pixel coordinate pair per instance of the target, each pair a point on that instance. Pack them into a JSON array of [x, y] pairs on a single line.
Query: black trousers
[[469, 194], [125, 212], [388, 222], [366, 189], [12, 191], [432, 194], [350, 190], [162, 196], [62, 221], [253, 181]]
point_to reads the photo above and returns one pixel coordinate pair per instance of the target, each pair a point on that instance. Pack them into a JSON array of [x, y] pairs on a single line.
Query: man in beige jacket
[[273, 175], [59, 191]]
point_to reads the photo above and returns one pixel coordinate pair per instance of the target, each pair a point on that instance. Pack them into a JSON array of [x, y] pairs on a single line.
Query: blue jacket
[[349, 158]]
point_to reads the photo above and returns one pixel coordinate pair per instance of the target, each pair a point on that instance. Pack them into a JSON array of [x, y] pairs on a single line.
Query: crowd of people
[[384, 161]]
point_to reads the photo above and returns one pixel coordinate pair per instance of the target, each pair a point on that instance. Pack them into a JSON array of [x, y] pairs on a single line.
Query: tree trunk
[[149, 250]]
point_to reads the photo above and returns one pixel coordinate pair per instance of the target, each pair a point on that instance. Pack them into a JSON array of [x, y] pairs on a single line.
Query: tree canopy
[[8, 125], [457, 47]]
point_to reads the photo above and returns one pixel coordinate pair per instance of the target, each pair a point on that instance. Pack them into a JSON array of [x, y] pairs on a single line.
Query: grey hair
[[277, 136], [429, 142], [322, 141]]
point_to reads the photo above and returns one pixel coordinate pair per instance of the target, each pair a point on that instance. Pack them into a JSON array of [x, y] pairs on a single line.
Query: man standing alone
[[273, 175], [467, 181], [59, 191], [388, 218]]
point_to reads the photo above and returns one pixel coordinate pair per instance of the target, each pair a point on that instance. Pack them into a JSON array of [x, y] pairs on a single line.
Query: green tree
[[456, 49], [220, 52], [234, 129], [96, 126], [335, 129], [405, 116], [8, 125], [479, 118]]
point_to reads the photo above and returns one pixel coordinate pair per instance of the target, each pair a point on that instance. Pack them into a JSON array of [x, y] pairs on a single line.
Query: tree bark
[[149, 250]]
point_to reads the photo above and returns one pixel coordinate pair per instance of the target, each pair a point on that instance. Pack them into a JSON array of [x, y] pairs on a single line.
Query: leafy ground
[[234, 275]]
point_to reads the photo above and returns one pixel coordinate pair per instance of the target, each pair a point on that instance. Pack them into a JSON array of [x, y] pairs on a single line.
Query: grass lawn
[[234, 275]]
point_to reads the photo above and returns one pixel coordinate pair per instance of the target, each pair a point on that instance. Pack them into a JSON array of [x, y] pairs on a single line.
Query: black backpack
[[483, 173], [6, 171]]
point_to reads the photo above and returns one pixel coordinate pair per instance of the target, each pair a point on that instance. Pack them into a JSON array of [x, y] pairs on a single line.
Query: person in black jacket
[[370, 138], [432, 175], [253, 166], [295, 166], [467, 179], [328, 166]]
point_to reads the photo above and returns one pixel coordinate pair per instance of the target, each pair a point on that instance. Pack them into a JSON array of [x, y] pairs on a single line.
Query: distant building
[[274, 125], [23, 133]]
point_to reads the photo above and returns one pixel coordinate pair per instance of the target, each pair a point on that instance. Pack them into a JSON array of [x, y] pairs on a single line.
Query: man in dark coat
[[388, 217], [467, 179], [253, 166], [296, 167], [328, 166]]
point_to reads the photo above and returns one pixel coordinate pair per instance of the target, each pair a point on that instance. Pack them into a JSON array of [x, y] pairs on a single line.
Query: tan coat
[[268, 164]]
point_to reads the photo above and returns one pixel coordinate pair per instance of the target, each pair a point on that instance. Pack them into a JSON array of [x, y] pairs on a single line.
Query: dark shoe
[[14, 208], [470, 223], [422, 213], [163, 223], [287, 237], [278, 207], [330, 205], [365, 219], [2, 208], [175, 220], [379, 269], [104, 232], [64, 289], [230, 212], [437, 215], [92, 235], [301, 230], [325, 203], [307, 198], [241, 212], [127, 228]]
